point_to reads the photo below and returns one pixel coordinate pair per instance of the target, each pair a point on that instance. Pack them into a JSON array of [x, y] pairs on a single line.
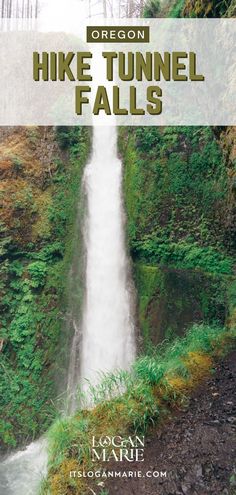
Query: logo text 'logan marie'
[[116, 448]]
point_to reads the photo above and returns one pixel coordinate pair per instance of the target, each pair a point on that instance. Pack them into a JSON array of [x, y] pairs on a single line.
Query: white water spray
[[104, 340], [21, 473], [107, 326]]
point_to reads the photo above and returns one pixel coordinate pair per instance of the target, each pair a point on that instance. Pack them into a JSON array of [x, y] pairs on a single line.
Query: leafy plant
[[38, 272]]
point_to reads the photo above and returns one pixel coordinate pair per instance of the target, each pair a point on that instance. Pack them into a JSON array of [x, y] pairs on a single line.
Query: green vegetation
[[169, 300], [151, 9], [155, 384], [177, 9], [178, 219], [154, 9], [33, 284], [214, 8], [189, 8], [177, 189], [183, 255]]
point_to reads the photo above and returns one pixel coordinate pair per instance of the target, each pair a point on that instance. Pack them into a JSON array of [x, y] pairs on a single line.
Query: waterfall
[[107, 326], [106, 334], [104, 338]]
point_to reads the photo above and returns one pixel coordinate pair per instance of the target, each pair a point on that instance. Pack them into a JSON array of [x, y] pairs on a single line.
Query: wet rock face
[[227, 141], [27, 167], [197, 448], [171, 300], [179, 187]]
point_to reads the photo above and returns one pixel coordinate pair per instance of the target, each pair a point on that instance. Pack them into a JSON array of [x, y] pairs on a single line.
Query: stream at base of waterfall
[[21, 473]]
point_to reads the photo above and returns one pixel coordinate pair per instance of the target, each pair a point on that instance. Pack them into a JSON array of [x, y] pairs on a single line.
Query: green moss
[[33, 302], [155, 8], [170, 301], [149, 281], [232, 294], [176, 191], [176, 186], [177, 9], [151, 9], [205, 8], [189, 8]]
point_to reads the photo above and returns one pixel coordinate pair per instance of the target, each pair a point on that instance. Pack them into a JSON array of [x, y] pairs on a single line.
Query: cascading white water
[[107, 325], [104, 340], [22, 472]]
